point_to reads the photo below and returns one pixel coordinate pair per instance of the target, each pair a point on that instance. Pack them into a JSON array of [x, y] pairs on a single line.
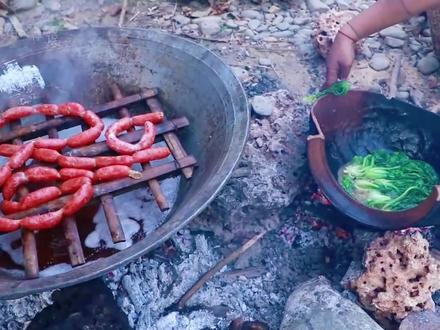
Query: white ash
[[14, 251], [55, 270], [16, 78]]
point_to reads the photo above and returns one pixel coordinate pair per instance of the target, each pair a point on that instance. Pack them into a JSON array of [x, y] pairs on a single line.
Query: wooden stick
[[222, 263], [35, 130], [76, 253], [154, 185], [102, 147], [30, 253], [119, 186], [395, 75], [123, 12], [17, 26], [171, 139], [113, 221]]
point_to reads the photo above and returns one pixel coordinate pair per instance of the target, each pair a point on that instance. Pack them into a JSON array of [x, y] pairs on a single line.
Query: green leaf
[[339, 88]]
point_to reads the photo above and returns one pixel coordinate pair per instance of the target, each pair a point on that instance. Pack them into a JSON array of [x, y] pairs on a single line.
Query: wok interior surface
[[80, 66], [362, 122]]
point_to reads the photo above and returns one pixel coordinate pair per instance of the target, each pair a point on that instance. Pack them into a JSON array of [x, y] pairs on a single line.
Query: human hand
[[340, 59]]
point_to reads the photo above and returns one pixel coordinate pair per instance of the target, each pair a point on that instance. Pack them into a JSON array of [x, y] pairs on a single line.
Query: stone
[[182, 20], [343, 5], [379, 62], [252, 14], [2, 25], [262, 28], [427, 320], [209, 25], [289, 20], [315, 305], [19, 5], [394, 42], [254, 24], [263, 105], [240, 73], [317, 6], [265, 61], [428, 64], [395, 31], [283, 26], [426, 32], [301, 20], [249, 33], [278, 20], [53, 5], [283, 34], [403, 95]]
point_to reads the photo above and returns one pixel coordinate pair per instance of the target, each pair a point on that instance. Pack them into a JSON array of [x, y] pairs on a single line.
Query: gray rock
[[262, 28], [283, 26], [343, 5], [302, 41], [53, 5], [394, 42], [379, 62], [263, 105], [395, 31], [317, 6], [289, 20], [2, 25], [252, 14], [209, 25], [301, 20], [353, 272], [249, 33], [427, 320], [272, 29], [283, 34], [269, 17], [366, 51], [278, 20], [427, 65], [240, 73], [182, 20], [254, 24], [314, 305], [403, 95], [265, 61], [426, 32], [231, 24], [415, 45], [19, 5]]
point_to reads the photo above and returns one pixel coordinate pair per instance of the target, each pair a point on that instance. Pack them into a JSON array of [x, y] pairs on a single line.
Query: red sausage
[[42, 174], [8, 225], [92, 119], [113, 160], [42, 221], [85, 138], [8, 150], [55, 144], [18, 159], [147, 139], [47, 109], [71, 109], [5, 173], [72, 185], [16, 113], [71, 173], [11, 185], [9, 207], [80, 198], [150, 154], [40, 196], [46, 155], [120, 146], [115, 172], [85, 163], [154, 117]]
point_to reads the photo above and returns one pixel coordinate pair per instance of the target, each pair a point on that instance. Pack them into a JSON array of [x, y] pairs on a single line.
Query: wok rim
[[17, 288]]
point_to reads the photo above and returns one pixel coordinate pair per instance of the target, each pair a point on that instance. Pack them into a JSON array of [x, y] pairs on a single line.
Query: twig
[[17, 26], [134, 17], [174, 10], [123, 12], [395, 75], [207, 276], [203, 38]]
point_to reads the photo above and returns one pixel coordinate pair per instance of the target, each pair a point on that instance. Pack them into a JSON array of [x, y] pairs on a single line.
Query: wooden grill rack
[[150, 174]]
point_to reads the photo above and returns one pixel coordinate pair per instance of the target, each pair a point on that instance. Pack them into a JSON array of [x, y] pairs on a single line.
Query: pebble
[[269, 17], [263, 105], [53, 5], [254, 24], [283, 34], [394, 42], [249, 32], [289, 20], [426, 32], [252, 14], [379, 62], [426, 320], [278, 20], [294, 28], [283, 26], [415, 45], [274, 9], [317, 6], [19, 5], [182, 20], [403, 95], [272, 29], [343, 5], [427, 65], [262, 28], [241, 73], [2, 25], [395, 31], [301, 20], [209, 25], [265, 61], [366, 51]]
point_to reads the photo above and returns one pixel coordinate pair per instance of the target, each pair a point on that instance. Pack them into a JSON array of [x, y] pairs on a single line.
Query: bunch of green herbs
[[388, 181], [339, 88]]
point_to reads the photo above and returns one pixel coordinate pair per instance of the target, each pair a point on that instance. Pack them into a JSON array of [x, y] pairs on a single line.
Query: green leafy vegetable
[[388, 181], [339, 88]]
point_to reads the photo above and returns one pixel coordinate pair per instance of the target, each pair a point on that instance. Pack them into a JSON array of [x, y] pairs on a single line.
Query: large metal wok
[[192, 82], [358, 124]]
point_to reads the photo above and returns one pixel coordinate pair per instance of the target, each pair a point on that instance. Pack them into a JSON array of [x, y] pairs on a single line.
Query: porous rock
[[315, 305], [400, 276]]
